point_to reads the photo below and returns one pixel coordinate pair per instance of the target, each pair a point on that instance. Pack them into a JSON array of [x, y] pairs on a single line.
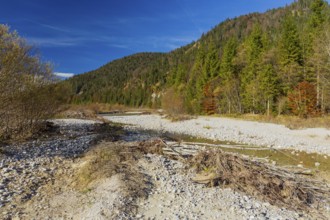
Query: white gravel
[[73, 121], [239, 131], [174, 196]]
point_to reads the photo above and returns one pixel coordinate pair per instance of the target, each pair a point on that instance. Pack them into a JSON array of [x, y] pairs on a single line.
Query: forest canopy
[[271, 63]]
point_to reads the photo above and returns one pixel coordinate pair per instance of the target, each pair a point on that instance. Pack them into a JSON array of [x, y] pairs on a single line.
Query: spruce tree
[[290, 55], [254, 49], [228, 79]]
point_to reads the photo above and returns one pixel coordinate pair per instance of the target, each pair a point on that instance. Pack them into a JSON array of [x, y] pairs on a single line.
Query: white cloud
[[64, 75], [54, 42]]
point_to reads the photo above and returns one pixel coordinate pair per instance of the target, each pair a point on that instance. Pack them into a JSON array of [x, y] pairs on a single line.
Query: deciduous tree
[[25, 90]]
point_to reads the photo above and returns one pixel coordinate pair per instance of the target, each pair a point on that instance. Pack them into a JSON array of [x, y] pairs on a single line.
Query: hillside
[[126, 81], [274, 62]]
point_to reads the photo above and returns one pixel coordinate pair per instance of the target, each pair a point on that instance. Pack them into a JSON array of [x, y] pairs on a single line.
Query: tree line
[[271, 63]]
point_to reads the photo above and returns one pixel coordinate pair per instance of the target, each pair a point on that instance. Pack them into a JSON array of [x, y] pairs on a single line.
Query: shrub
[[172, 102], [26, 88], [303, 101]]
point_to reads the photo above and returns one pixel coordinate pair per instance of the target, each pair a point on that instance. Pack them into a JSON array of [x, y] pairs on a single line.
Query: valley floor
[[316, 140], [145, 186]]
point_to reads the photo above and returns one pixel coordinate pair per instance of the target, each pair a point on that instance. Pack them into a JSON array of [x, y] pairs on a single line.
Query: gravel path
[[174, 196], [225, 129]]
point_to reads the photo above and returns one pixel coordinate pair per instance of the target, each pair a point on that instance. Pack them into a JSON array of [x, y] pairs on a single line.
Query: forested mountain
[[274, 62], [130, 81]]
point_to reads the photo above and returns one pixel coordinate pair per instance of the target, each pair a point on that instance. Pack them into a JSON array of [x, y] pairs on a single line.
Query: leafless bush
[[172, 102], [26, 93]]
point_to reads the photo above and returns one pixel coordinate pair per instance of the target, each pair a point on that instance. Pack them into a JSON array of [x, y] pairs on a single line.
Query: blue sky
[[79, 36]]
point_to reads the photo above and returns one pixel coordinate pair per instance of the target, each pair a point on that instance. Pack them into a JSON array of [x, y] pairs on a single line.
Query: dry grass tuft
[[151, 147], [104, 161], [179, 117], [110, 158]]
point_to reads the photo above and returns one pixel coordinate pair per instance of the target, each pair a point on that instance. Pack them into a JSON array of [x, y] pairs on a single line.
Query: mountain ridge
[[200, 78]]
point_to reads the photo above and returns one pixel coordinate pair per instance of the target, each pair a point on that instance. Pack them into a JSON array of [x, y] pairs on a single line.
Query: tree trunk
[[268, 107], [318, 87]]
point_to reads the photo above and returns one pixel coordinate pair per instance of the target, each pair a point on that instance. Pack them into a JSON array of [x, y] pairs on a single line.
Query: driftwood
[[229, 146], [205, 178], [278, 186]]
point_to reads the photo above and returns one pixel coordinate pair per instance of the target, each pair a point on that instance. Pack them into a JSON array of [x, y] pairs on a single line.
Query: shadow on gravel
[[67, 141]]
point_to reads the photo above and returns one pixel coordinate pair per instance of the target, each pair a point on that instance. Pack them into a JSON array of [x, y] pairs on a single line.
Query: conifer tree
[[254, 48], [269, 85], [290, 55], [212, 62], [316, 34], [228, 78]]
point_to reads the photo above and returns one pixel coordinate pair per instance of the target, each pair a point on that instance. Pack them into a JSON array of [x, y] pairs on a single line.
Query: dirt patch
[[277, 186]]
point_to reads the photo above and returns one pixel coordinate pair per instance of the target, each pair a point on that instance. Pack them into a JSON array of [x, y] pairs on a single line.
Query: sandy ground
[[239, 131]]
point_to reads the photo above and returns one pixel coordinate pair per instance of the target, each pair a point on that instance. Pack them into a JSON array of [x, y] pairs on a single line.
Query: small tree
[[209, 102], [173, 102], [303, 100], [25, 90]]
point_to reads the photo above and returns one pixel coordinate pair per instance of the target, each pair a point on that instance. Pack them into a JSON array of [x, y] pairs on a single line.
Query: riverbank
[[26, 167], [67, 173], [312, 140]]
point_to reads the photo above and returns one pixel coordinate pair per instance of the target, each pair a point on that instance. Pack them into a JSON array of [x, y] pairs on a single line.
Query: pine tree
[[179, 76], [211, 66], [254, 49], [229, 80], [269, 85], [317, 16], [316, 58], [199, 73], [290, 55], [227, 67]]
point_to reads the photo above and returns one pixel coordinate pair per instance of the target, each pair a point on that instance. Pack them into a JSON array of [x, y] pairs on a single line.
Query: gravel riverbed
[[247, 132], [26, 167], [174, 196], [32, 171]]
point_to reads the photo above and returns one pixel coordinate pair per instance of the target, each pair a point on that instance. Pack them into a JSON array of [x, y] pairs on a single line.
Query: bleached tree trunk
[[318, 85], [268, 107]]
